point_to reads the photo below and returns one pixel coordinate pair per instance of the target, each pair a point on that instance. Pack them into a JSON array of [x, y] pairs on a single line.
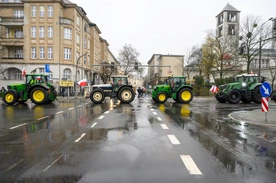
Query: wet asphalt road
[[77, 141]]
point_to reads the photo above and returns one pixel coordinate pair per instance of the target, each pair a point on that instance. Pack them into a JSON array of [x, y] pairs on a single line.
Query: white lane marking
[[79, 105], [101, 117], [82, 135], [14, 165], [173, 139], [154, 113], [70, 108], [52, 163], [43, 118], [152, 109], [85, 103], [18, 126], [94, 124], [159, 119], [190, 165], [165, 127], [59, 112], [106, 112]]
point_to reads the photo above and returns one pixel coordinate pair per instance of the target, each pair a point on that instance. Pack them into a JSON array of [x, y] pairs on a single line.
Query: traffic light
[[112, 66], [136, 66], [242, 49]]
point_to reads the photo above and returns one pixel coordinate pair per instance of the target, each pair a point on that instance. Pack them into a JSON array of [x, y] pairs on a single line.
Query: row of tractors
[[245, 88]]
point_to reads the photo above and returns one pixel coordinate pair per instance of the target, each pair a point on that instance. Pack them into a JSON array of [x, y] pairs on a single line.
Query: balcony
[[10, 21], [11, 60], [11, 41]]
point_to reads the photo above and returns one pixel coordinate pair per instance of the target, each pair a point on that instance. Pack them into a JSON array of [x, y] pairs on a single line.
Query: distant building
[[158, 67]]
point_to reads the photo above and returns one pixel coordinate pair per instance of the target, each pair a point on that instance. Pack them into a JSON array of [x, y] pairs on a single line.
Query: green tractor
[[175, 88], [36, 88], [245, 88], [119, 88]]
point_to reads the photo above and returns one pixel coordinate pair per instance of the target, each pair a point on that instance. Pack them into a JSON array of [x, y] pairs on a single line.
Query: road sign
[[264, 104], [47, 68], [265, 89]]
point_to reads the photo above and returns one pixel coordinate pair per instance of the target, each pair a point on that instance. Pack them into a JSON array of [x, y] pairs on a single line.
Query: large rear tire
[[234, 96], [256, 95], [185, 96], [10, 97], [39, 96], [161, 97], [220, 99], [126, 95], [97, 96]]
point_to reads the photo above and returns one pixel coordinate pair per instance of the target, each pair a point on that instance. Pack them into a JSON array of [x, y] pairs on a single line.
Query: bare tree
[[253, 34], [105, 72], [196, 58], [127, 58]]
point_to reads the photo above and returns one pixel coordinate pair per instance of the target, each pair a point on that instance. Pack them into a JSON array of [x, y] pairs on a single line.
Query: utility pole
[[76, 93]]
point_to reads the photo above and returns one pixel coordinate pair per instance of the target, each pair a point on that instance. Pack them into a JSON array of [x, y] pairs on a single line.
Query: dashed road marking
[[18, 126], [43, 118], [71, 108], [106, 112], [190, 165], [79, 105], [52, 164], [59, 112], [101, 117], [154, 113], [82, 135], [165, 127], [94, 124], [152, 109], [173, 139], [159, 119]]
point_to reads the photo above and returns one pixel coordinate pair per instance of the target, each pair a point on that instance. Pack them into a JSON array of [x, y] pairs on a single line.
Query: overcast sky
[[163, 26]]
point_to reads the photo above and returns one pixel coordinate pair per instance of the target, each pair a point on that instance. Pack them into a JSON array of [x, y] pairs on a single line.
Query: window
[[231, 29], [88, 60], [33, 11], [18, 33], [67, 53], [50, 52], [33, 31], [220, 20], [232, 17], [5, 1], [50, 11], [41, 31], [33, 52], [84, 42], [78, 38], [67, 74], [220, 31], [41, 53], [50, 31], [84, 59], [88, 44], [41, 11], [78, 20], [17, 1], [85, 28], [67, 33], [18, 13], [18, 74], [18, 53]]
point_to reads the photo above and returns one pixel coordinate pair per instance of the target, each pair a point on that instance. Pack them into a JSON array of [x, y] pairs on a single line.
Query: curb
[[251, 122]]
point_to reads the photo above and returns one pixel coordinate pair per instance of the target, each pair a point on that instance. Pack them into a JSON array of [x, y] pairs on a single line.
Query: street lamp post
[[76, 80], [260, 48]]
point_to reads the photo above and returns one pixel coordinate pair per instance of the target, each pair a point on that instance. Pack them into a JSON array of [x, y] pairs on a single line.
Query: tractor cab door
[[176, 83]]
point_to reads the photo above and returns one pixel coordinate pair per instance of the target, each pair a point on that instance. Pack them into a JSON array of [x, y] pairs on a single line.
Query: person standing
[[63, 91]]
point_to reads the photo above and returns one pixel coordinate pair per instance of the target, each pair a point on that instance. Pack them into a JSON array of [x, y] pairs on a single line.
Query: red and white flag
[[214, 89], [23, 72], [82, 82]]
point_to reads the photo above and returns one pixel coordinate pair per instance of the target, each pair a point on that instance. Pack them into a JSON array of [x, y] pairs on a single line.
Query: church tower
[[228, 22]]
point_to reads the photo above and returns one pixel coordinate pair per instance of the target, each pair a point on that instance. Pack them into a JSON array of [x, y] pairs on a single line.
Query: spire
[[228, 7]]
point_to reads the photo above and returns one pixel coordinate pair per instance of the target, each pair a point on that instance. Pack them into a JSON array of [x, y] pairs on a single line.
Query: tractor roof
[[119, 76], [36, 75], [247, 75]]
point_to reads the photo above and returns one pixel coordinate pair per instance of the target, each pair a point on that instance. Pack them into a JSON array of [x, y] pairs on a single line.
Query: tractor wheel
[[185, 96], [38, 96], [220, 99], [10, 97], [153, 99], [234, 97], [126, 95], [161, 97], [256, 96], [97, 96]]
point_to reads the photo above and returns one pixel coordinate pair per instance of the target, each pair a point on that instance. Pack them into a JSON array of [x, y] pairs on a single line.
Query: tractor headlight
[[243, 84]]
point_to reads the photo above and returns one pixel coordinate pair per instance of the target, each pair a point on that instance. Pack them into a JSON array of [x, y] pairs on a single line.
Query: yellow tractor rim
[[161, 97], [9, 97], [38, 95], [186, 95]]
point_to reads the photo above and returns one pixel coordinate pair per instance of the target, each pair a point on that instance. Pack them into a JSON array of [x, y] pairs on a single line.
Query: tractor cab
[[176, 82], [118, 81]]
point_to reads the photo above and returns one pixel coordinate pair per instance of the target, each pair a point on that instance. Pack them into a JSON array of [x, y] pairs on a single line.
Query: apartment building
[[34, 33], [161, 66]]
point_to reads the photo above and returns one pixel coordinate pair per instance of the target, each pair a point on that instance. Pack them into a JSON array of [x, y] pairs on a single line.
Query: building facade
[[54, 32]]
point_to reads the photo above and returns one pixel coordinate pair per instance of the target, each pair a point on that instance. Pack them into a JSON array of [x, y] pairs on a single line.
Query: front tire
[[234, 97], [257, 97], [97, 96], [39, 96], [161, 97], [10, 97], [185, 96], [126, 95]]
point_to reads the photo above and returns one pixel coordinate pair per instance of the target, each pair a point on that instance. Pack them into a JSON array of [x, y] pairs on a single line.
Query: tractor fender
[[255, 85], [37, 86]]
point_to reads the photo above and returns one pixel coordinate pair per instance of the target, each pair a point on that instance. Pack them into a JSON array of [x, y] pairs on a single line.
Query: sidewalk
[[255, 117]]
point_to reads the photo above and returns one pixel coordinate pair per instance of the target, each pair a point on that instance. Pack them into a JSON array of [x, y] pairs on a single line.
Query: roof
[[228, 7], [67, 2]]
